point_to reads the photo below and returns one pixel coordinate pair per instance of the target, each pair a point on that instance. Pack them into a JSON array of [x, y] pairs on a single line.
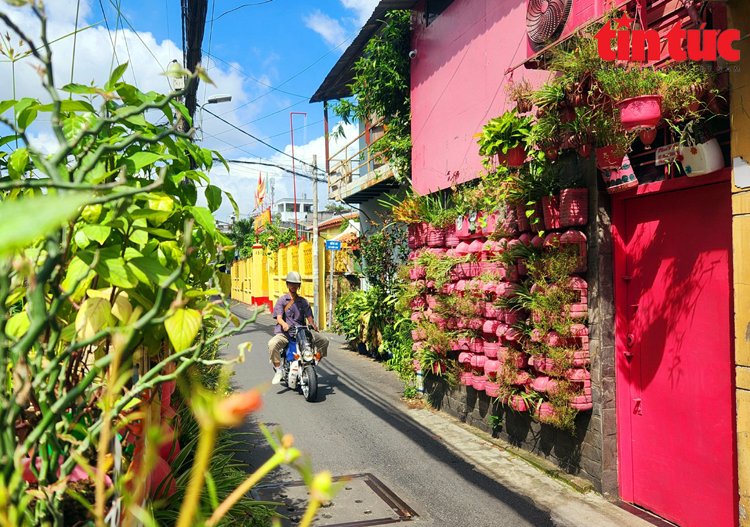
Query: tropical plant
[[381, 88], [520, 92], [106, 262], [502, 133]]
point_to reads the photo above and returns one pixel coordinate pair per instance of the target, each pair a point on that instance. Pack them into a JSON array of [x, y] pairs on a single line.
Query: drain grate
[[363, 500]]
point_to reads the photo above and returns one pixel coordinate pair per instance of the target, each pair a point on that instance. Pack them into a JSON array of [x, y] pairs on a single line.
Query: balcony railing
[[354, 167]]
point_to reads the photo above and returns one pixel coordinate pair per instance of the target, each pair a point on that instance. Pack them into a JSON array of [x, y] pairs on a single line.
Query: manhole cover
[[362, 501]]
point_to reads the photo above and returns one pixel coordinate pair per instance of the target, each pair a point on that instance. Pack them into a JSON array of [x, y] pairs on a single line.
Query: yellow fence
[[260, 279]]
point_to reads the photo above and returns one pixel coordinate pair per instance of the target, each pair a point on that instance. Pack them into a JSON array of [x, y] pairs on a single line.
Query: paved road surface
[[361, 426]]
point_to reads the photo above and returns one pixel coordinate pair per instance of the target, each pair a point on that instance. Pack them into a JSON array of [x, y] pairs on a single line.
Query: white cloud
[[363, 8], [243, 179], [328, 28]]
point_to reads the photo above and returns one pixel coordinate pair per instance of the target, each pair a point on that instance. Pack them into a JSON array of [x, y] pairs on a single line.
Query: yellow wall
[[262, 275], [740, 109]]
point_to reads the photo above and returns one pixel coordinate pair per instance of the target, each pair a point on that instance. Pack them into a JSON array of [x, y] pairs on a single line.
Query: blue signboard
[[333, 245]]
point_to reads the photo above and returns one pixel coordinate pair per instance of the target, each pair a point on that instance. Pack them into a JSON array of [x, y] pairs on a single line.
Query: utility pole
[[315, 269]]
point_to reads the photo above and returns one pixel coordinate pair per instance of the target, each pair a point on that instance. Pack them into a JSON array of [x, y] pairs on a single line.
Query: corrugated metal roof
[[336, 83]]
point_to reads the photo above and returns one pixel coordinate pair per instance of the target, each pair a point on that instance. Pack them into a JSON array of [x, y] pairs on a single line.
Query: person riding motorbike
[[292, 310]]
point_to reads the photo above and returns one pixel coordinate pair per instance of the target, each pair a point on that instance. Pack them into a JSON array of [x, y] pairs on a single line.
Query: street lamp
[[213, 99]]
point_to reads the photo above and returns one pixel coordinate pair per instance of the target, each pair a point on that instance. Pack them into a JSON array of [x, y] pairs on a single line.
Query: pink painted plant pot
[[640, 112], [465, 357], [539, 384], [491, 367], [451, 240], [574, 207], [478, 382], [417, 235], [435, 236], [466, 378], [620, 179], [490, 349], [551, 212], [492, 389], [517, 403], [609, 157]]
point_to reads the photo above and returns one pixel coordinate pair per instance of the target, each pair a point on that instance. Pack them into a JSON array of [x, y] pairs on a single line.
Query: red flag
[[260, 191]]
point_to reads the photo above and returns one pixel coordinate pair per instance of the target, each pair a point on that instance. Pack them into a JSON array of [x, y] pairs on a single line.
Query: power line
[[261, 141], [273, 165]]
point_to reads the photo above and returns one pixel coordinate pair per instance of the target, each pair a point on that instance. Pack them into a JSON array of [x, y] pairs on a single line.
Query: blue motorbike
[[298, 363]]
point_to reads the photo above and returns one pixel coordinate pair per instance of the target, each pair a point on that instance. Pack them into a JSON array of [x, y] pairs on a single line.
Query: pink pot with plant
[[574, 207], [492, 389], [418, 334], [521, 267], [512, 335], [579, 241], [491, 349], [513, 317], [435, 236], [476, 246], [578, 374], [491, 311], [609, 157], [490, 224], [580, 399], [490, 326], [476, 346], [491, 367], [451, 239], [418, 303], [417, 235], [465, 357], [640, 112], [477, 361], [582, 407], [516, 156], [517, 403], [620, 179], [466, 378], [478, 382], [539, 384], [463, 228], [502, 329], [521, 220], [545, 412], [551, 212], [417, 272]]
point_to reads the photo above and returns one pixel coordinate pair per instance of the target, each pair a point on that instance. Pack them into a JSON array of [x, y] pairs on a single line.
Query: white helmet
[[293, 278]]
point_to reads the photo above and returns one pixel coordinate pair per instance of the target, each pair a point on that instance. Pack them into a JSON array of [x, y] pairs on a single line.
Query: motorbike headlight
[[307, 355]]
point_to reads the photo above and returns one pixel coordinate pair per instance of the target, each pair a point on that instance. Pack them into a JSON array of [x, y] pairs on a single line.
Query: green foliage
[[272, 237], [623, 83], [500, 134], [381, 88], [382, 255]]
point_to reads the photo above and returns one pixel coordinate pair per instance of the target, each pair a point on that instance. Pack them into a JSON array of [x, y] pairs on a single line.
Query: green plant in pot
[[611, 141], [521, 92], [682, 88], [580, 131], [635, 92], [506, 137], [546, 135]]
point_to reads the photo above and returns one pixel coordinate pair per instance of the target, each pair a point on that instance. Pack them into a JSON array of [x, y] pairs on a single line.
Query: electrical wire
[[261, 141], [138, 36], [238, 7], [75, 39]]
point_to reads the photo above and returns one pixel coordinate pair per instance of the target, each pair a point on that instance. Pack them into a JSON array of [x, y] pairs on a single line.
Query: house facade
[[668, 303]]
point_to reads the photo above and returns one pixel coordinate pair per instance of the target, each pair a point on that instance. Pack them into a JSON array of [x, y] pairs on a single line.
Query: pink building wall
[[458, 83]]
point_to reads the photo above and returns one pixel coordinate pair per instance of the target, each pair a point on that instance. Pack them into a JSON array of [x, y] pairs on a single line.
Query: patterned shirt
[[295, 315]]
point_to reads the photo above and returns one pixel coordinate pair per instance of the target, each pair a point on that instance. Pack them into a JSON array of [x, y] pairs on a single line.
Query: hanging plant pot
[[517, 403], [521, 220], [451, 240], [524, 105], [551, 153], [574, 207], [516, 156], [620, 179], [551, 212], [640, 112], [647, 136], [584, 150], [545, 412], [492, 389], [609, 157], [463, 228], [702, 159]]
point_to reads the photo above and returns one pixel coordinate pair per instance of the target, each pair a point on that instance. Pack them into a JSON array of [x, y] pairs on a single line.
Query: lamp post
[[294, 174], [214, 99]]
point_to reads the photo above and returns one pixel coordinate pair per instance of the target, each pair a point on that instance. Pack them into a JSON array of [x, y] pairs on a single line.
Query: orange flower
[[232, 410]]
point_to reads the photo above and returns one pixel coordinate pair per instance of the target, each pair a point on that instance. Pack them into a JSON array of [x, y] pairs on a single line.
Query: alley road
[[359, 425]]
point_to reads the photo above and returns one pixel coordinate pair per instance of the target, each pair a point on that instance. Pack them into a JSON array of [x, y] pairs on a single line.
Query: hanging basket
[[609, 157], [620, 179], [516, 156], [640, 112], [417, 234]]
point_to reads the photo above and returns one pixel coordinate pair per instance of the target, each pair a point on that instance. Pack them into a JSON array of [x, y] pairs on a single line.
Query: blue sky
[[269, 55]]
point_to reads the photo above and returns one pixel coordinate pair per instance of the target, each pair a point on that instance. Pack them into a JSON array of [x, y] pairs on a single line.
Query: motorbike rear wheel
[[309, 383]]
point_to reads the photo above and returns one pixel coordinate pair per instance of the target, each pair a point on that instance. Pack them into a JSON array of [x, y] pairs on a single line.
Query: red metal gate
[[674, 353]]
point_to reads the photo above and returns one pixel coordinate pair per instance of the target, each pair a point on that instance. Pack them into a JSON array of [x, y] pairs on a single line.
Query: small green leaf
[[140, 160], [93, 316], [139, 236], [98, 233], [116, 273], [182, 328], [26, 219], [117, 74], [18, 162], [79, 276], [213, 197], [17, 325], [80, 88], [205, 219], [148, 270], [235, 207]]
